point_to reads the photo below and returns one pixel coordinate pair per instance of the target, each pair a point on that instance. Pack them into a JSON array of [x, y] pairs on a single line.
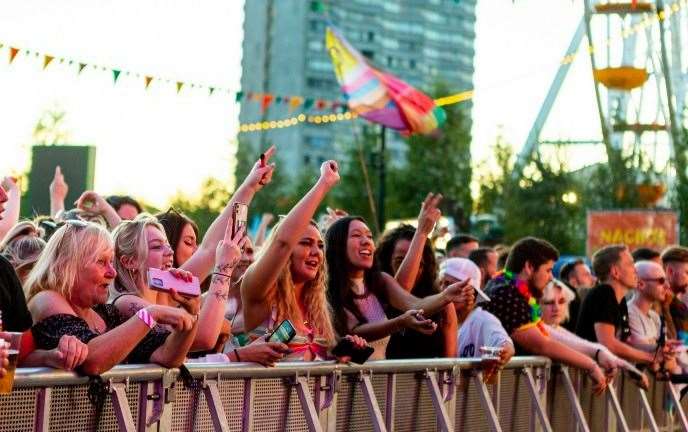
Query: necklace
[[522, 288]]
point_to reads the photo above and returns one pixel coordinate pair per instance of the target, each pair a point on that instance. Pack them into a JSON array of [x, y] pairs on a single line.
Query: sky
[[153, 143]]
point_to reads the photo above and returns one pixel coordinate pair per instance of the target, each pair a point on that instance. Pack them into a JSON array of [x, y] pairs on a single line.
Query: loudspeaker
[[78, 167]]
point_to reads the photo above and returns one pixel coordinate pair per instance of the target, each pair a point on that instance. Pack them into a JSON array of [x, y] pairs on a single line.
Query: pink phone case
[[163, 280]]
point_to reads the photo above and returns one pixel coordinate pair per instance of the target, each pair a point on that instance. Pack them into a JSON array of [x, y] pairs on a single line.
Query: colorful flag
[[380, 97]]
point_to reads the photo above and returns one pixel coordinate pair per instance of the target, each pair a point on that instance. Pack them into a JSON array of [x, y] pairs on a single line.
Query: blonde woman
[[67, 291], [287, 280], [23, 253], [555, 302], [141, 244]]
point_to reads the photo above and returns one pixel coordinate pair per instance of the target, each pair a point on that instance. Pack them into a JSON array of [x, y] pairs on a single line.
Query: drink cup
[[14, 340]]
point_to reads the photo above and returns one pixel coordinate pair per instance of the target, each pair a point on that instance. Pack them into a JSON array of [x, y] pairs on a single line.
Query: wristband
[[146, 317], [221, 274]]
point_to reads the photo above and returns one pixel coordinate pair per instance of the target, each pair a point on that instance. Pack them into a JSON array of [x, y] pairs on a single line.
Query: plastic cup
[[14, 340]]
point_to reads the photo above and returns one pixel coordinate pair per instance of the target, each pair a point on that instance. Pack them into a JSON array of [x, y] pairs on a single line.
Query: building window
[[371, 36], [368, 54], [412, 64]]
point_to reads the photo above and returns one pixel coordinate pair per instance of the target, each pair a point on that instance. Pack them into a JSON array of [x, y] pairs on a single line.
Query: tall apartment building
[[421, 41]]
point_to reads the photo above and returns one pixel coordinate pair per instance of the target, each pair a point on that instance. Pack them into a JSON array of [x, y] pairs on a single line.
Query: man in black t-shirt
[[529, 266], [604, 315], [15, 315], [576, 275]]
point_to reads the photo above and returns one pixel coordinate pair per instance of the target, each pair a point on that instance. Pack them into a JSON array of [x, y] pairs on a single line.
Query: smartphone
[[239, 217], [163, 280], [284, 332], [346, 347]]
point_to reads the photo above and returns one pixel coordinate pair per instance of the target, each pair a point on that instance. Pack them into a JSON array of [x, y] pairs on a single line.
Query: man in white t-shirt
[[479, 328]]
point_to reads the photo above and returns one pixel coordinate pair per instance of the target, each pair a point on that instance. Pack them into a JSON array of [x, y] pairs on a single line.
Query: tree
[[207, 207], [437, 164]]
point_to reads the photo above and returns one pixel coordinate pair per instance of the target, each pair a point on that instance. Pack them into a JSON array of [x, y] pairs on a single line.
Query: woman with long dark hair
[[357, 290]]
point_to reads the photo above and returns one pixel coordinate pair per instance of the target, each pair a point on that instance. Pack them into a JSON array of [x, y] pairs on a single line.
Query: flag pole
[[381, 186]]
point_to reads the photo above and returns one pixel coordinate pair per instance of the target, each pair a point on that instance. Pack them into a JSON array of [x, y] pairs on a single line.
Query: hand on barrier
[[69, 354], [599, 379], [415, 320], [358, 344]]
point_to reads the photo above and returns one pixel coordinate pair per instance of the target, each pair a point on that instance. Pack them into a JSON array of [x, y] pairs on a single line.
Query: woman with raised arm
[[406, 253], [287, 280], [357, 290], [141, 244], [67, 291]]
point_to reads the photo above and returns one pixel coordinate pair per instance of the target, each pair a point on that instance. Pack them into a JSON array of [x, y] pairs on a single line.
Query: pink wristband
[[146, 317]]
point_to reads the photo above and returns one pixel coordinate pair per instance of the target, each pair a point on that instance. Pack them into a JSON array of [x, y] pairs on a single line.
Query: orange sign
[[634, 228]]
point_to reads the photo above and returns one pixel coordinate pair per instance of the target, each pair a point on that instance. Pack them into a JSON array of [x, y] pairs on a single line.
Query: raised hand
[[58, 187], [228, 252], [329, 173], [429, 213], [261, 173], [461, 293]]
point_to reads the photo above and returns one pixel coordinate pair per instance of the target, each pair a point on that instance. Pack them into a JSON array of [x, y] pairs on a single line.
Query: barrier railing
[[394, 395]]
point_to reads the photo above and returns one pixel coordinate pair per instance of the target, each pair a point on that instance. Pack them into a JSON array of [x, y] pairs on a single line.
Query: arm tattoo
[[133, 308], [221, 295], [219, 279], [226, 268]]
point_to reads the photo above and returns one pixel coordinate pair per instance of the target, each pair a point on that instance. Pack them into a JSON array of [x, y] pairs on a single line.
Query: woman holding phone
[[357, 290], [287, 280], [142, 244], [67, 293]]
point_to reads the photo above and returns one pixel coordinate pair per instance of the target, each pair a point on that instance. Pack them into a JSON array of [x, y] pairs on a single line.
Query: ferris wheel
[[637, 54]]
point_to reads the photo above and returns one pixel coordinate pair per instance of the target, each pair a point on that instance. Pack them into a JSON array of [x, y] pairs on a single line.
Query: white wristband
[[146, 317]]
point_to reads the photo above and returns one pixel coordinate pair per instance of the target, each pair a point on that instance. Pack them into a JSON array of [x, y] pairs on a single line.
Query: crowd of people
[[76, 284]]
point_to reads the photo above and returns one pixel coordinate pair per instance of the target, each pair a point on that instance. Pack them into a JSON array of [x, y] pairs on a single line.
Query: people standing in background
[[461, 245]]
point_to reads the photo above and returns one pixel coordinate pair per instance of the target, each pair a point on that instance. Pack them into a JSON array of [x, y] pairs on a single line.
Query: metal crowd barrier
[[393, 395]]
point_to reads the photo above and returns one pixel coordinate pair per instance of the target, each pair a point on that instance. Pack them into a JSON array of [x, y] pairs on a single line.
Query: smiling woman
[[68, 288]]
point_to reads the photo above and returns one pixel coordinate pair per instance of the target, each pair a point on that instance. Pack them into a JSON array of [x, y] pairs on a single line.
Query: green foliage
[[213, 198], [437, 164]]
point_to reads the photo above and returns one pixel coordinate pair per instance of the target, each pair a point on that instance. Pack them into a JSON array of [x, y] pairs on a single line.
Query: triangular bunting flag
[[46, 60], [179, 86], [308, 103], [81, 67], [148, 80], [295, 102], [115, 74], [239, 96], [13, 53], [210, 91], [320, 104], [266, 102]]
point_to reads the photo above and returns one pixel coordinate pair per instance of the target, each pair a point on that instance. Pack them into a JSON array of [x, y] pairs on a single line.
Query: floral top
[[47, 333]]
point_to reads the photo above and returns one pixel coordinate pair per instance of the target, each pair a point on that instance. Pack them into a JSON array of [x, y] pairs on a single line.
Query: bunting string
[[293, 102], [265, 100]]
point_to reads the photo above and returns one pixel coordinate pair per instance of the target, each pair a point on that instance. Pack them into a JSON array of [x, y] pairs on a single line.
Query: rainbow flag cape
[[380, 97]]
